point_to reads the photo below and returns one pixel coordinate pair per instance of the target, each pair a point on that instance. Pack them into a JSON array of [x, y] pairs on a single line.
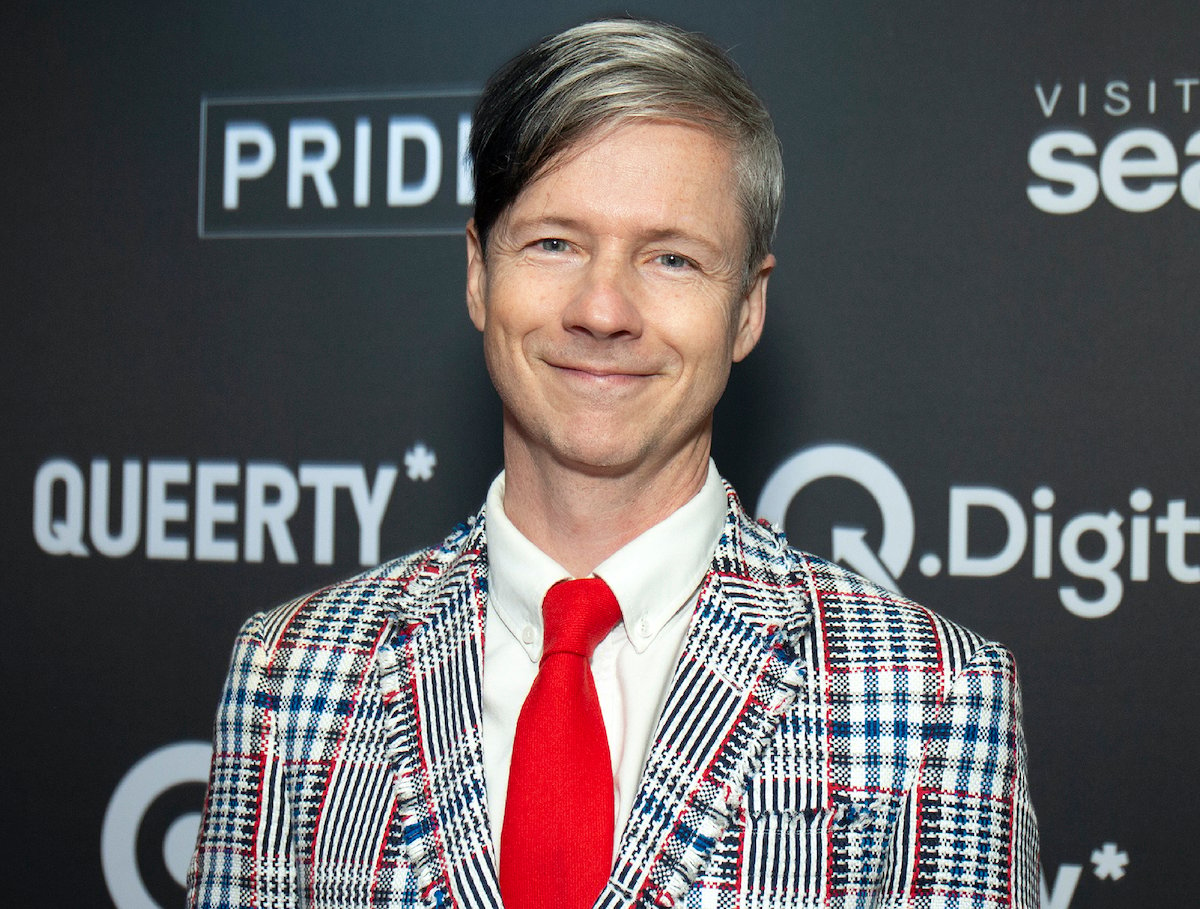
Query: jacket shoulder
[[352, 613], [863, 623], [846, 597]]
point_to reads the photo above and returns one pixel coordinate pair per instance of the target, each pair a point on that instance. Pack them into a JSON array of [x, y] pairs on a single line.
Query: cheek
[[504, 321], [510, 344], [704, 345], [521, 305]]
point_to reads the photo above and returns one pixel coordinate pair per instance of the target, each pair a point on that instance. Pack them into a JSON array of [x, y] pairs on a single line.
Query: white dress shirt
[[653, 577]]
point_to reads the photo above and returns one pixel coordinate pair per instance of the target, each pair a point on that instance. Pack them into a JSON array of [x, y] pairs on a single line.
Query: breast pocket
[[813, 847]]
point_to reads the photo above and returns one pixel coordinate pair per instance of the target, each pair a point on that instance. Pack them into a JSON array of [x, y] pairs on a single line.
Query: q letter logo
[[850, 543], [160, 771]]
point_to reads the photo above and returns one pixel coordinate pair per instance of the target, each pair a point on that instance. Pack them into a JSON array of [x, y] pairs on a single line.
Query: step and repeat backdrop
[[238, 366]]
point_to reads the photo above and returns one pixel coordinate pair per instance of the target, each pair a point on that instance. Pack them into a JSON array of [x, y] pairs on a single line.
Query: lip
[[601, 373]]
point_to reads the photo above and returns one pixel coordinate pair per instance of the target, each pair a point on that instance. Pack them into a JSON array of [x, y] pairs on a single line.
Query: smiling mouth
[[601, 373]]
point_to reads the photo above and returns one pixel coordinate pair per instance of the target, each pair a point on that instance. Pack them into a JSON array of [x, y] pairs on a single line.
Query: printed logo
[[211, 511], [849, 543], [1108, 864], [1104, 550], [1087, 151], [144, 798], [338, 165]]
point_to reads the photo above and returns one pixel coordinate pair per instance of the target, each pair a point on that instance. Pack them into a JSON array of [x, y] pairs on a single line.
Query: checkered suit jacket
[[824, 743]]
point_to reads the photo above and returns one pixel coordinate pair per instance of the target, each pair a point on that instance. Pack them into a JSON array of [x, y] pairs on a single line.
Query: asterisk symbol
[[1109, 862], [419, 462]]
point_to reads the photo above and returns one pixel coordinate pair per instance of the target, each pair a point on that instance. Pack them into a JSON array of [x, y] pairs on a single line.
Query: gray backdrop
[[978, 380]]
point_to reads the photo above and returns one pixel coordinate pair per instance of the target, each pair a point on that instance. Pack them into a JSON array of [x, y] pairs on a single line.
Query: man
[[731, 722]]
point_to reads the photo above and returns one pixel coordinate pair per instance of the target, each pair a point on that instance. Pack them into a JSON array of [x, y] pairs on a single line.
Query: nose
[[604, 303]]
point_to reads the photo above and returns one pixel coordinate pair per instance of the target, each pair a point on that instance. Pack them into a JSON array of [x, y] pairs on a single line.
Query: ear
[[476, 278], [752, 312]]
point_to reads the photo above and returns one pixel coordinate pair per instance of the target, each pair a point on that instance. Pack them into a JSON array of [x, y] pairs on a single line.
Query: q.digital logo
[[1104, 549], [849, 544], [161, 794]]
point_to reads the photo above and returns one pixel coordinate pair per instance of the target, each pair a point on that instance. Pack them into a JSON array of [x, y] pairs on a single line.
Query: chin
[[600, 453], [598, 462]]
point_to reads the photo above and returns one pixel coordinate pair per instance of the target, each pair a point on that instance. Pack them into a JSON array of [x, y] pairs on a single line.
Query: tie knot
[[577, 615]]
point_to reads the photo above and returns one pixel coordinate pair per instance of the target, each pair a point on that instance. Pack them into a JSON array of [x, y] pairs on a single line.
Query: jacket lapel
[[738, 671], [431, 671]]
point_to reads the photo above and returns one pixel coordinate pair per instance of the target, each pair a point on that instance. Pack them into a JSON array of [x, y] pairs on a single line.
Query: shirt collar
[[653, 576]]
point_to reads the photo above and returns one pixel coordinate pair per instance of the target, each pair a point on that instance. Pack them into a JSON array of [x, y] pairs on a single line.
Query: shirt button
[[643, 628], [528, 635]]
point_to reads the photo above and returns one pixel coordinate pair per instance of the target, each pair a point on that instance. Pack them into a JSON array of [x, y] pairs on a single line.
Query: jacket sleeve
[[242, 854], [975, 840]]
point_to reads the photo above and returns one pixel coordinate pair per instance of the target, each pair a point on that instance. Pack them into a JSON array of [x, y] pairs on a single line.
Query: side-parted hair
[[606, 72]]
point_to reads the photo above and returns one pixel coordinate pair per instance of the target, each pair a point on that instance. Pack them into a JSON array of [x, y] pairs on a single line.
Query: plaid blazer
[[824, 743]]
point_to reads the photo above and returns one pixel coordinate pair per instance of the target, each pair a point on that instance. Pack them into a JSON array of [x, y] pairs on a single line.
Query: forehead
[[670, 170]]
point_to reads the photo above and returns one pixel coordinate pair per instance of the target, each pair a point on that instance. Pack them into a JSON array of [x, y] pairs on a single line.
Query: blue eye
[[553, 244], [673, 260]]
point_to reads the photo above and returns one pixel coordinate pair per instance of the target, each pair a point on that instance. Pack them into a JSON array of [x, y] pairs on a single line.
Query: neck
[[580, 517]]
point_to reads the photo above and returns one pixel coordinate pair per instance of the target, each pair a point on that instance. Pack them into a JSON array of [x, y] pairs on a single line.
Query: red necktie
[[556, 845]]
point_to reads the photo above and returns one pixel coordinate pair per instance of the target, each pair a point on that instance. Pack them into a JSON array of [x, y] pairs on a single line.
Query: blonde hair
[[602, 73]]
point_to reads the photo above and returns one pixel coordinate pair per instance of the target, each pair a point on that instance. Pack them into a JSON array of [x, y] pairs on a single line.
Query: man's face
[[610, 300]]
